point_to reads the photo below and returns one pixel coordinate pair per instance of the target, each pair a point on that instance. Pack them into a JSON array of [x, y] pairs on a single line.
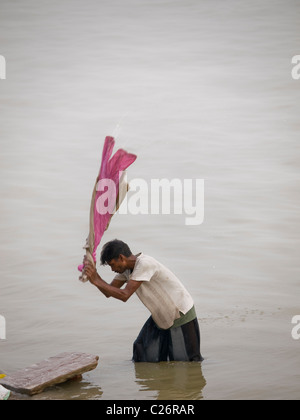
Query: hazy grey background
[[197, 89]]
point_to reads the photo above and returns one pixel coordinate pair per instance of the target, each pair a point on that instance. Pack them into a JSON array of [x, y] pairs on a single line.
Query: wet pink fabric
[[111, 166]]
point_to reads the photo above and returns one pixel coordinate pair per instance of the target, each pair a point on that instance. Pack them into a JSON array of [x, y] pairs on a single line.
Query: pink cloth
[[111, 166], [110, 169]]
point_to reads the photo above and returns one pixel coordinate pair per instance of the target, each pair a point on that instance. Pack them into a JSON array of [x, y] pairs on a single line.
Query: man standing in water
[[172, 331]]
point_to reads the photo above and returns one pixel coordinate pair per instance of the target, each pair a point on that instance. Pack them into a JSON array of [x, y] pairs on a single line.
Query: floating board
[[54, 370]]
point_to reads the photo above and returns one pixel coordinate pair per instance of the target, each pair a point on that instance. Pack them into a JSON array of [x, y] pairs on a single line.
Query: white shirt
[[161, 291]]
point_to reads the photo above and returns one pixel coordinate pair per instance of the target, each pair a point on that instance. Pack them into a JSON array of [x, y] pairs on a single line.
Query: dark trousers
[[174, 344]]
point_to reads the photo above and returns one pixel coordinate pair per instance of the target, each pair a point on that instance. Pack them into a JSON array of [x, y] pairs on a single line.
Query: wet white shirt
[[161, 291]]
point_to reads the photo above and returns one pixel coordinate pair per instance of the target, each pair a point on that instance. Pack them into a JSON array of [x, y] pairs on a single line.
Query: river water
[[198, 90]]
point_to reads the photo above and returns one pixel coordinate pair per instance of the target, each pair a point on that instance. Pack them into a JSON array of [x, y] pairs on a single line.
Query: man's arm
[[113, 289], [117, 283]]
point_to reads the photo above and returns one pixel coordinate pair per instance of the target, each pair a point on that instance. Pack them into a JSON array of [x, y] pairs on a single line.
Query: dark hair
[[113, 249]]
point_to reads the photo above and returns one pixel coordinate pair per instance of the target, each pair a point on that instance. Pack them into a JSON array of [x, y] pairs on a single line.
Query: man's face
[[118, 265]]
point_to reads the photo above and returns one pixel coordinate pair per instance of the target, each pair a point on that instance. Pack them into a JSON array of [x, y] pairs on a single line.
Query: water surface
[[196, 89]]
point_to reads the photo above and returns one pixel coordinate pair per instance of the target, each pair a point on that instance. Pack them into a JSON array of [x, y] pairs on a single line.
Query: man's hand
[[90, 270], [113, 289]]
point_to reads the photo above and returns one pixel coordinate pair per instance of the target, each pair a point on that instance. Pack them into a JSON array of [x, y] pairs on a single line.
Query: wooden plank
[[54, 370]]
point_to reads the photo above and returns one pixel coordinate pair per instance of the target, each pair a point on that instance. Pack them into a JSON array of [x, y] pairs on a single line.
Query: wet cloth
[[109, 192], [174, 344], [184, 319], [161, 291]]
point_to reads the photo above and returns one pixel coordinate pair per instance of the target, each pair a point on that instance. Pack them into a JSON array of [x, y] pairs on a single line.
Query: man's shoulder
[[145, 259], [145, 268]]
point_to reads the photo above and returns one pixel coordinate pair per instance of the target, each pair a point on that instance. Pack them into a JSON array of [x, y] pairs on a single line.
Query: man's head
[[115, 253]]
